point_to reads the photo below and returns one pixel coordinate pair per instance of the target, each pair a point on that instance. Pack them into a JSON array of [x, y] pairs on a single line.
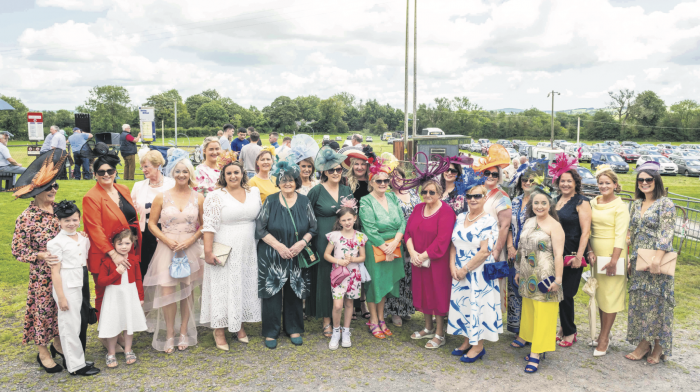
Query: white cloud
[[569, 93], [533, 91], [671, 90], [654, 74], [628, 83], [318, 58]]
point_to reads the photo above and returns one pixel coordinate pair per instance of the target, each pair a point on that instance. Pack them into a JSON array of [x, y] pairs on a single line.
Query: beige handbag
[[667, 265], [221, 252]]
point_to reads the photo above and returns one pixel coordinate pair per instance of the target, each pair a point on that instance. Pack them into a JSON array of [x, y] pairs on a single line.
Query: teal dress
[[381, 225], [320, 303]]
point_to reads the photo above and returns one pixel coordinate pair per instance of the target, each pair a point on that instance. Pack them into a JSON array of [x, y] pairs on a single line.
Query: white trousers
[[69, 320]]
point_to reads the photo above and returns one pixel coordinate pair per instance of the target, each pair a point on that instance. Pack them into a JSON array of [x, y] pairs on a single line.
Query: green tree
[[647, 110], [282, 114], [671, 129], [308, 107], [212, 94], [15, 121], [378, 127], [164, 104], [331, 111], [603, 126], [194, 102], [687, 111], [212, 114], [109, 108]]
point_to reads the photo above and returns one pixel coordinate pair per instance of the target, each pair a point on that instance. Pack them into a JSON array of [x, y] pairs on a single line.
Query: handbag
[[426, 263], [180, 267], [570, 259], [364, 274], [89, 313], [603, 261], [380, 256], [308, 256], [338, 275], [220, 251], [667, 266], [496, 270], [544, 285]]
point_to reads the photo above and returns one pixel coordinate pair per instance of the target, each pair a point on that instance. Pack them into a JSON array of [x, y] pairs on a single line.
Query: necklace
[[157, 184], [475, 218]]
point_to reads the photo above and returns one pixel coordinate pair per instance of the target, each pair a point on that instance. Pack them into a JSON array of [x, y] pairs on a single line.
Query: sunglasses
[[475, 197], [109, 172], [643, 180], [54, 186], [491, 174], [337, 170], [528, 181], [382, 182], [452, 171], [431, 193]]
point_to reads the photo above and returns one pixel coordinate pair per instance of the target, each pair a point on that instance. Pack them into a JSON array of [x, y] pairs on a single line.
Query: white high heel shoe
[[594, 343], [597, 353]]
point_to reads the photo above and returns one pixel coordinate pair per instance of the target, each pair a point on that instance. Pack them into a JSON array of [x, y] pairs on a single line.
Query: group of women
[[445, 240]]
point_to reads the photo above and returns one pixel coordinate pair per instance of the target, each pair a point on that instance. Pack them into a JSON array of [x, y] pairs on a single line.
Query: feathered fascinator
[[367, 154], [225, 158], [175, 155], [348, 202], [648, 165], [385, 164], [303, 146], [40, 174], [470, 178], [562, 164], [602, 169], [432, 170], [327, 159], [271, 150], [497, 156], [65, 209], [285, 168]]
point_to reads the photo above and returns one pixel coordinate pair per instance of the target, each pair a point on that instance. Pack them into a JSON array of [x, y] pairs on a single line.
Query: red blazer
[[103, 219], [108, 274]]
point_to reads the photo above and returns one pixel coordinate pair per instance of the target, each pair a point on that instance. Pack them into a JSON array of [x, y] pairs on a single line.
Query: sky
[[499, 53]]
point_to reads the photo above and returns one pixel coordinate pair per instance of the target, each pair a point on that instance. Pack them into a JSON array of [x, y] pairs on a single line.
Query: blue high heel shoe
[[466, 359], [458, 353], [532, 369]]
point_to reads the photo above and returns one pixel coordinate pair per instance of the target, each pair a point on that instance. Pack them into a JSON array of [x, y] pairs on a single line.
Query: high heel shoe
[[242, 339], [564, 343], [594, 343], [56, 369], [480, 355], [597, 353], [224, 346]]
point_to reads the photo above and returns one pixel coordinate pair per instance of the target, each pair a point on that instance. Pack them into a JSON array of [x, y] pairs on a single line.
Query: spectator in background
[[7, 164], [273, 139], [334, 145], [127, 147], [238, 143], [224, 140], [55, 139], [220, 134], [284, 150], [251, 130], [523, 160], [249, 153], [76, 141], [357, 140]]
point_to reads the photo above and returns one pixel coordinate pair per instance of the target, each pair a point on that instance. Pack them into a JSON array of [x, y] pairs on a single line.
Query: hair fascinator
[[303, 147], [562, 164], [285, 168], [648, 165], [175, 155], [226, 157], [470, 178], [347, 202], [40, 174], [462, 160], [65, 209], [385, 164], [271, 150], [424, 172], [600, 169], [101, 152], [327, 159], [534, 170], [497, 156], [367, 154]]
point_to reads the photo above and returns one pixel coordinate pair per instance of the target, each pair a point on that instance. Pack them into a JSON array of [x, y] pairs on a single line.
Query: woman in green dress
[[384, 224], [285, 224], [325, 201]]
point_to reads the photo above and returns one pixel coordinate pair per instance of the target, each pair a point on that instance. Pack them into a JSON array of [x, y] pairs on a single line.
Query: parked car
[[689, 167], [558, 142], [684, 154], [349, 137], [338, 138], [690, 146], [513, 154], [610, 158], [347, 143], [572, 151], [390, 140], [628, 154], [663, 145], [642, 151], [667, 167], [507, 145], [464, 146], [543, 144], [523, 149], [326, 138], [368, 139], [666, 152], [630, 144], [475, 147], [588, 181], [612, 143], [645, 145], [484, 141]]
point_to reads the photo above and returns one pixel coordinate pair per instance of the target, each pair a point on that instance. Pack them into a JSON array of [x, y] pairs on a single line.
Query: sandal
[[384, 328], [432, 345], [427, 334], [130, 356], [518, 344], [169, 346], [183, 343], [542, 356], [564, 343], [530, 368], [655, 361], [633, 357], [376, 331], [365, 315], [111, 360], [396, 320], [327, 334]]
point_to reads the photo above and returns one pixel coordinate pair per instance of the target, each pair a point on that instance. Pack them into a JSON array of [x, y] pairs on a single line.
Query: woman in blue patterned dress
[[475, 303], [650, 316]]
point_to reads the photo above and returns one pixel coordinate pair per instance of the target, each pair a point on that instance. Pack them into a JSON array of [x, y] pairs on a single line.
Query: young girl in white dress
[[121, 304]]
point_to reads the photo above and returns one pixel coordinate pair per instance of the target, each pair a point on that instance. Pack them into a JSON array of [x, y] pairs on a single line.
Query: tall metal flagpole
[[405, 101], [415, 61]]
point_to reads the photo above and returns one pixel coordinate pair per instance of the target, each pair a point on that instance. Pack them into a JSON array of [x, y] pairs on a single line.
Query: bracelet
[[304, 239], [590, 251]]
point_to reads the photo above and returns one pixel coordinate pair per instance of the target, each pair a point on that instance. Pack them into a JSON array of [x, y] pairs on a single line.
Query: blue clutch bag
[[496, 270], [180, 267]]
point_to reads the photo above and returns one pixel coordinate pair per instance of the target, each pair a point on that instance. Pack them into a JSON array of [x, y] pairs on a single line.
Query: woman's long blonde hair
[[353, 181]]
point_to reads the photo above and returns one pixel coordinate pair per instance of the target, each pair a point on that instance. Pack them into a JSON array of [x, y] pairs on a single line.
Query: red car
[[628, 155]]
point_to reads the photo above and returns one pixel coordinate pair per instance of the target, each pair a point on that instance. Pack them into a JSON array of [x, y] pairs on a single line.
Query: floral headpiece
[[225, 158], [385, 164], [175, 155], [534, 170], [497, 156], [602, 169], [327, 159], [648, 165], [65, 208], [271, 150], [348, 202], [470, 178], [303, 147], [284, 168], [562, 164], [432, 170]]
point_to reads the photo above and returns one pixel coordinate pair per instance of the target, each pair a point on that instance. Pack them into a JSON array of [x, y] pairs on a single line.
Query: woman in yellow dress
[[263, 180], [610, 221]]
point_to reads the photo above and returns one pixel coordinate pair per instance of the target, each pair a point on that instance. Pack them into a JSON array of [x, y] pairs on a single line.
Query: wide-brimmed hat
[[497, 156], [327, 159], [367, 154], [40, 174]]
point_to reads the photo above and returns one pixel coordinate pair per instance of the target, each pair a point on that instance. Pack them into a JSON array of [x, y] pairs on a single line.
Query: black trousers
[[86, 301], [148, 248], [571, 278], [274, 314]]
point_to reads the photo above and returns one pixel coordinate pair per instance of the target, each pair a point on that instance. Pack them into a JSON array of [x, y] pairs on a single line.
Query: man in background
[[7, 164], [224, 141], [273, 139], [357, 140], [76, 141], [285, 149], [251, 130], [55, 139], [220, 134], [238, 143], [127, 146], [249, 154]]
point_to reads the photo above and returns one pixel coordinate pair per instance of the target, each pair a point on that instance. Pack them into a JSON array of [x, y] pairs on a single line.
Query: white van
[[326, 138]]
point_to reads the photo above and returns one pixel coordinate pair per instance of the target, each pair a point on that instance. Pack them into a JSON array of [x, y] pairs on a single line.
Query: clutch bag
[[380, 256], [602, 261], [667, 265], [570, 259], [426, 263], [338, 275], [496, 270], [221, 252]]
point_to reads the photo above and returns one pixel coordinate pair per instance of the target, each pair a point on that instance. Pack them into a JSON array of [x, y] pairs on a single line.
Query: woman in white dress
[[207, 173], [143, 193], [230, 289]]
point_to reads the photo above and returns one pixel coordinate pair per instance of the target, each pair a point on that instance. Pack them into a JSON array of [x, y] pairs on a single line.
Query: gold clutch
[[221, 252]]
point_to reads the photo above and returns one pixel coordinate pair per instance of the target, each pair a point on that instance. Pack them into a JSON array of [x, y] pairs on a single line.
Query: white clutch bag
[[221, 252], [426, 263], [603, 261]]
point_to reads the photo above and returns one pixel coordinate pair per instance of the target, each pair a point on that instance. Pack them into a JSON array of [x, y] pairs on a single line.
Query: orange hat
[[497, 156]]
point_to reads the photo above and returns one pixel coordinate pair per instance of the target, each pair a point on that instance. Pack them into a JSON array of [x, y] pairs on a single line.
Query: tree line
[[627, 116]]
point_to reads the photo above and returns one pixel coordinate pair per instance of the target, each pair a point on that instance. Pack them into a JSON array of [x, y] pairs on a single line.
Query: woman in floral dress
[[207, 173]]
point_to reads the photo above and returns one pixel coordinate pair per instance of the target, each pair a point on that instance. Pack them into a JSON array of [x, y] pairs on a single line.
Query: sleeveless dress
[[161, 289]]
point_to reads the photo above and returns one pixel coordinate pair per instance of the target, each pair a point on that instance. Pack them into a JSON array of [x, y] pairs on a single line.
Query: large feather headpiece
[[562, 164], [46, 173], [303, 147], [175, 156], [497, 156], [470, 178], [432, 170]]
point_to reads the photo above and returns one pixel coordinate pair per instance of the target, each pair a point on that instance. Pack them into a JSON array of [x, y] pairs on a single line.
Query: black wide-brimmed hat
[[40, 174]]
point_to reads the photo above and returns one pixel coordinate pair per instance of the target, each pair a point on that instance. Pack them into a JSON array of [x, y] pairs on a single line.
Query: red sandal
[[384, 328], [564, 343], [376, 331]]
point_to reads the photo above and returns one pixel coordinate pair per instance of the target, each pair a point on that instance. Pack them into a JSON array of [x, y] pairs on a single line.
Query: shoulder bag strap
[[296, 233]]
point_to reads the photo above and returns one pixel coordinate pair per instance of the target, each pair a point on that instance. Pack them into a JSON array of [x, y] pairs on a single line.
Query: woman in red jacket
[[108, 208]]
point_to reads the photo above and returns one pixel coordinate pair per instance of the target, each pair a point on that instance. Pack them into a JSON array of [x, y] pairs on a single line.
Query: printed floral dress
[[34, 228], [455, 199], [652, 299], [515, 301], [206, 179], [350, 286]]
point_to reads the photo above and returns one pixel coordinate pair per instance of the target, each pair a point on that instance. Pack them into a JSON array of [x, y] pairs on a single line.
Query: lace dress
[[230, 293], [161, 290]]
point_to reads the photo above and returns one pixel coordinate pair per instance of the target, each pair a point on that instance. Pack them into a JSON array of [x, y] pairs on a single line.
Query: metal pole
[[415, 62], [578, 131], [551, 139], [162, 132], [175, 123], [405, 100]]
